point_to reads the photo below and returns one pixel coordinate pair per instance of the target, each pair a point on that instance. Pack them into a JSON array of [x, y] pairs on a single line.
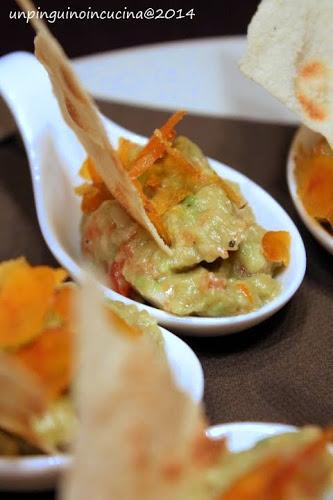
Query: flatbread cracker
[[81, 115], [290, 53], [22, 399], [138, 435]]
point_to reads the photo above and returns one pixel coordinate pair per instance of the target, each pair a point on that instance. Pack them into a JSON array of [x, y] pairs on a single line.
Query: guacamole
[[57, 426], [217, 267]]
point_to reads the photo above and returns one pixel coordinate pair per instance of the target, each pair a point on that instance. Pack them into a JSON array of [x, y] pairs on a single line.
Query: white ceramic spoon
[[42, 472], [55, 156], [307, 138]]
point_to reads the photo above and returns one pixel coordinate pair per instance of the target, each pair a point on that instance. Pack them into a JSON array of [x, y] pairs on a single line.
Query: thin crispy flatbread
[[22, 399], [290, 53], [81, 114], [138, 432]]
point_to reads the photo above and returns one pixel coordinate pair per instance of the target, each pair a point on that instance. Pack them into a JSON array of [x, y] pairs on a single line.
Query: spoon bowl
[[306, 138], [41, 472], [55, 156]]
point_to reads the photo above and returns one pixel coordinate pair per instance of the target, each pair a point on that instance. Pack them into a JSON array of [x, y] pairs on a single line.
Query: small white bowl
[[55, 156], [42, 472], [307, 138]]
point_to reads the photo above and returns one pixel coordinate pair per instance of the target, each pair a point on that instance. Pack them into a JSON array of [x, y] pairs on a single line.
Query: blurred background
[[212, 18], [200, 74]]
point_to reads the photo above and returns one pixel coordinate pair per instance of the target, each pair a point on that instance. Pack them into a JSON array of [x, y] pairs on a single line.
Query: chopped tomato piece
[[117, 280], [214, 282]]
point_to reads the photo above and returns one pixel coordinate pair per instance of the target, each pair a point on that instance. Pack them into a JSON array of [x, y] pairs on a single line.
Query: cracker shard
[[81, 114], [290, 53], [138, 436]]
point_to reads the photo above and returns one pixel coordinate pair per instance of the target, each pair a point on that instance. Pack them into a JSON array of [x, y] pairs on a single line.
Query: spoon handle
[[26, 89]]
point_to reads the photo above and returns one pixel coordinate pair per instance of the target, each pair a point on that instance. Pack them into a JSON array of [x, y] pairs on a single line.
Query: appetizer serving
[[37, 338], [162, 225], [222, 262], [141, 437]]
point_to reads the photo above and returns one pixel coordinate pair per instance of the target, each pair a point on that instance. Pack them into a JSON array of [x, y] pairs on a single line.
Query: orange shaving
[[314, 175], [93, 195], [152, 213], [93, 192], [231, 193], [246, 292], [37, 322], [190, 170], [154, 150], [127, 152], [253, 485], [88, 171], [276, 245], [164, 200], [161, 185], [50, 357], [295, 475], [167, 184], [25, 296]]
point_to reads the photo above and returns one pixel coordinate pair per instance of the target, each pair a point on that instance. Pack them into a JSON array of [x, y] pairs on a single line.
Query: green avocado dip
[[217, 267], [57, 426]]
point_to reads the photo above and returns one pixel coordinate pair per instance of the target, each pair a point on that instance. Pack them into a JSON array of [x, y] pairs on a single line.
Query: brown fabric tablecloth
[[281, 370]]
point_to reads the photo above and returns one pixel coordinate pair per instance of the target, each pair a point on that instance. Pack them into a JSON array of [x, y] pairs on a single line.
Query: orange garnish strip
[[89, 172], [191, 170], [179, 158], [93, 196], [165, 200], [231, 193], [27, 297], [284, 475], [153, 214], [25, 294], [154, 149], [37, 322], [276, 246], [314, 175], [246, 291], [50, 358], [93, 192], [127, 151]]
